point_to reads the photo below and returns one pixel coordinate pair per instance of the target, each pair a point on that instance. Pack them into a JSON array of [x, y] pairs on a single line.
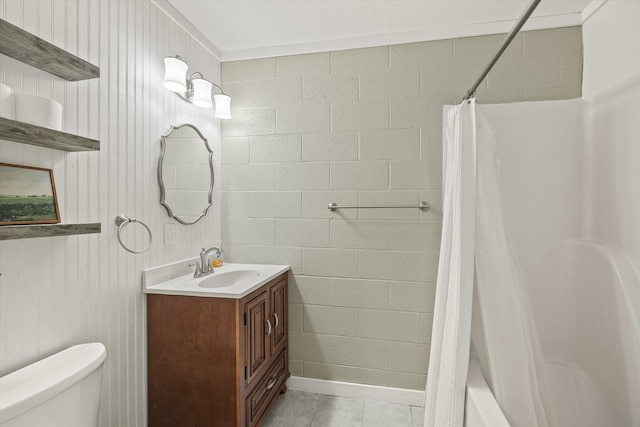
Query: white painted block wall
[[362, 127]]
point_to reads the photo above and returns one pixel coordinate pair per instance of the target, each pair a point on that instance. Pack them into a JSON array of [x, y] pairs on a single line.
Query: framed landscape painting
[[27, 196]]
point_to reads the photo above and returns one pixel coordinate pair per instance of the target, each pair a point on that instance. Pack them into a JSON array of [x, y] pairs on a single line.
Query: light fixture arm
[[218, 87], [188, 94]]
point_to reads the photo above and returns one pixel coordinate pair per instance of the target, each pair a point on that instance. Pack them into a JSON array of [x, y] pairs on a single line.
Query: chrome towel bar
[[422, 206]]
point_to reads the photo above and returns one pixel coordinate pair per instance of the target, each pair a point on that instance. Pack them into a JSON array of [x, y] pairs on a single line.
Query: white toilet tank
[[62, 390]]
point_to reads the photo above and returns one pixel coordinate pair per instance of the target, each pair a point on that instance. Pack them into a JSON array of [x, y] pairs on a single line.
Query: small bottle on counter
[[217, 259]]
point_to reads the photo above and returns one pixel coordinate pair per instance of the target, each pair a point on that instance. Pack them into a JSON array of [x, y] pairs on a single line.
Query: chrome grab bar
[[422, 206]]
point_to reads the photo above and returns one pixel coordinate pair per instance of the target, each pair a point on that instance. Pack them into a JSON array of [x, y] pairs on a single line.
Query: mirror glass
[[185, 173]]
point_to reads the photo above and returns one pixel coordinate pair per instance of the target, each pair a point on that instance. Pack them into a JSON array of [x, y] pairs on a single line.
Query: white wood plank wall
[[56, 292]]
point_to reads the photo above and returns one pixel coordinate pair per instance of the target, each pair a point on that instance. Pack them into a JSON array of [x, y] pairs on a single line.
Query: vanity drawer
[[263, 393]]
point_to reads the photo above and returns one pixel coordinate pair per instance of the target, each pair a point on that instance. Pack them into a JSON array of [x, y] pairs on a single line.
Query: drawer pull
[[275, 315], [269, 325], [271, 383]]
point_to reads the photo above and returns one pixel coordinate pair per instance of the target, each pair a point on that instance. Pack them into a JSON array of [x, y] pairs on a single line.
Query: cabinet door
[[257, 331], [278, 298]]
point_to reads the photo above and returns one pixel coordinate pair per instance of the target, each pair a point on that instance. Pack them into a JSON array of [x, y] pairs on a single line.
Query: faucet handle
[[197, 265]]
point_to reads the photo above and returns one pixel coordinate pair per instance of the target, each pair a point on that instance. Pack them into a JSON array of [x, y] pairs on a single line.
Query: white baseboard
[[358, 391]]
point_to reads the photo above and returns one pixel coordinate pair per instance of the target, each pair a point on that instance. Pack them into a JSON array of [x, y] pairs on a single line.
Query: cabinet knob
[[275, 316], [269, 325]]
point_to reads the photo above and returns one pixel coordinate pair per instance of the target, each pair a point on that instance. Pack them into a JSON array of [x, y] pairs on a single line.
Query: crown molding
[[431, 34], [534, 23]]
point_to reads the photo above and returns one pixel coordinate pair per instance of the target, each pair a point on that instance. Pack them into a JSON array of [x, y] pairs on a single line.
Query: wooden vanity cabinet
[[216, 361]]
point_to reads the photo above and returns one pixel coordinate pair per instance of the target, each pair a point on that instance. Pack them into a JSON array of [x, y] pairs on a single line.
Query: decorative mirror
[[185, 173]]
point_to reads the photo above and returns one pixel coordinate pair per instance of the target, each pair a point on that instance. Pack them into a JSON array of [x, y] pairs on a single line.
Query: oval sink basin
[[229, 278]]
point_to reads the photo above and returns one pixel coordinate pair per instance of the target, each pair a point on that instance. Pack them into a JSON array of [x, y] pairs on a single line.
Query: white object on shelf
[[7, 102], [39, 111]]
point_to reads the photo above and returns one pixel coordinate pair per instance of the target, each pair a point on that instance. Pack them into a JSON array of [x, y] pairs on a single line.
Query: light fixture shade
[[223, 106], [202, 93], [175, 74]]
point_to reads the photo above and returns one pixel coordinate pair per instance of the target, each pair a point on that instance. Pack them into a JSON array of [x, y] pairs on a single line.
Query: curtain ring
[[121, 222]]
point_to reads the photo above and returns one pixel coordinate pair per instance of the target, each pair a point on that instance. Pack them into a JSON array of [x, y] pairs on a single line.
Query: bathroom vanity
[[217, 348]]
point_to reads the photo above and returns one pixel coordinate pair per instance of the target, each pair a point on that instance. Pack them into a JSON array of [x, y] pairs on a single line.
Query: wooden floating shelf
[[13, 130], [32, 50], [12, 232], [25, 47]]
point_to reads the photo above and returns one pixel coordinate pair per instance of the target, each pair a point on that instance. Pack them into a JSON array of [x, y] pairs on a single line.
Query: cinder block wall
[[362, 127]]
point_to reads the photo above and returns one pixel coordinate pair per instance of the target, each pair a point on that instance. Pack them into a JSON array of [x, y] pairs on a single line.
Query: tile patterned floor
[[300, 409]]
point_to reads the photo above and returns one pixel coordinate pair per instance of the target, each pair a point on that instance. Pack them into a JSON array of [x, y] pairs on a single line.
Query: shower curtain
[[480, 296], [449, 359]]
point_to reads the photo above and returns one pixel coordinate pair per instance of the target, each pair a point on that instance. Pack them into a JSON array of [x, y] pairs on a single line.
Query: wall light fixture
[[195, 89]]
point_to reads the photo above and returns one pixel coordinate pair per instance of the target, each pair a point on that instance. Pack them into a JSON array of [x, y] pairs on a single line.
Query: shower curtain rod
[[514, 31]]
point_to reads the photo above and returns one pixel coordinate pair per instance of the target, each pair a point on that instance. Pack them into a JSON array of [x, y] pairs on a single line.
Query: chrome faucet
[[204, 267]]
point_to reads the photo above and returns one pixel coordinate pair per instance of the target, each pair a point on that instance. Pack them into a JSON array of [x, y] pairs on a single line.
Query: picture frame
[[27, 196]]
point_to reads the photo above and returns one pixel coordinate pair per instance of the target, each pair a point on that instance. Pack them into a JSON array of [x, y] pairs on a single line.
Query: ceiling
[[243, 29]]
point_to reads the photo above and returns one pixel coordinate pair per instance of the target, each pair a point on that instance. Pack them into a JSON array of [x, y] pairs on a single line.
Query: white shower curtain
[[449, 360], [493, 313]]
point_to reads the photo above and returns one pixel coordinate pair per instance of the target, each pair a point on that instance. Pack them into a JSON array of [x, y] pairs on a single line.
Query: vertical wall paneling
[[56, 292]]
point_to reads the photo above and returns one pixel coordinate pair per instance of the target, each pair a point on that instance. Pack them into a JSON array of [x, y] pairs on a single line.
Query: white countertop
[[177, 279]]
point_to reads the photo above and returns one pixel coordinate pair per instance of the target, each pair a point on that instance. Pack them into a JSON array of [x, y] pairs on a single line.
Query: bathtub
[[481, 408], [597, 380]]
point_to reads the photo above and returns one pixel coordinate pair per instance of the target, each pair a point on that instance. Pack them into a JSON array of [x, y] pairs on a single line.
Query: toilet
[[61, 390]]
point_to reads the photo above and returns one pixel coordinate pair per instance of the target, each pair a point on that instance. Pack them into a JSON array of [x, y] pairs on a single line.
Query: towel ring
[[121, 222]]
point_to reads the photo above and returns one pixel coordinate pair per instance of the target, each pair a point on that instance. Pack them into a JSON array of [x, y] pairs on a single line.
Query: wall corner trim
[[591, 9], [358, 391], [187, 26]]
